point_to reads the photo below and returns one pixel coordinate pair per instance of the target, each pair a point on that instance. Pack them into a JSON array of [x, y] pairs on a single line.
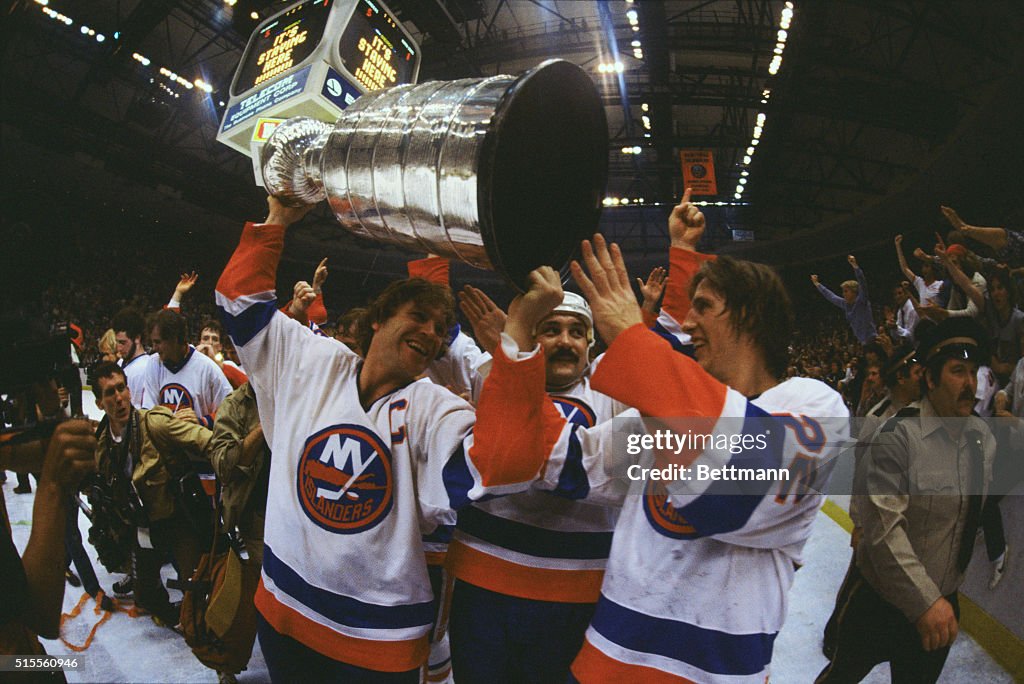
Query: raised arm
[[911, 276], [184, 286], [987, 235], [685, 228], [828, 294], [961, 280], [246, 298], [862, 292], [485, 317]]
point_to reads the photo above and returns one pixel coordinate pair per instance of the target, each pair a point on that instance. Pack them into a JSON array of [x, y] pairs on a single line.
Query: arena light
[[44, 3], [644, 107], [100, 37], [635, 43], [750, 150], [746, 159], [744, 173], [743, 180]]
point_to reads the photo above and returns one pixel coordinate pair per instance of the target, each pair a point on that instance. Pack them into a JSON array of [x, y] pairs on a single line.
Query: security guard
[[926, 475]]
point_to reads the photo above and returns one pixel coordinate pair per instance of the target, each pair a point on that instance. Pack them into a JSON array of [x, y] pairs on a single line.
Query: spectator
[[210, 343], [928, 286], [901, 326], [1008, 244], [1005, 324], [854, 302]]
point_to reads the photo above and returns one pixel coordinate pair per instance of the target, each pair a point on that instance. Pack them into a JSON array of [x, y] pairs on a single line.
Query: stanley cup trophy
[[505, 173]]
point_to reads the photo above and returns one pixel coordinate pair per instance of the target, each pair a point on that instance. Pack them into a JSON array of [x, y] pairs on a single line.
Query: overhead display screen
[[283, 44], [374, 50]]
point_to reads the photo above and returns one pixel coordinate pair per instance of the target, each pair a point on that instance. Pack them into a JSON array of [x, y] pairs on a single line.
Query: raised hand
[[686, 224], [852, 260], [302, 296], [607, 288], [185, 284], [320, 277], [281, 215], [953, 217], [485, 317], [527, 310], [814, 279], [653, 288]]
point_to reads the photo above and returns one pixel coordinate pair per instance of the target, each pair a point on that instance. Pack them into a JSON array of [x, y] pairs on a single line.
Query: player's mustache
[[565, 355]]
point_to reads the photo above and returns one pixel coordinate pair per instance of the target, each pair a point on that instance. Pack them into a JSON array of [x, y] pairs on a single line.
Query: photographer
[[144, 458], [34, 584]]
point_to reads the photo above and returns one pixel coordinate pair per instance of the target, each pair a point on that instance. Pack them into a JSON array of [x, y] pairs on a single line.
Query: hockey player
[[528, 567], [366, 461], [697, 578], [127, 326], [190, 384]]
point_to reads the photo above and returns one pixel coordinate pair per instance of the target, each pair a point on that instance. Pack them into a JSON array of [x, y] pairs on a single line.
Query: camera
[[35, 358]]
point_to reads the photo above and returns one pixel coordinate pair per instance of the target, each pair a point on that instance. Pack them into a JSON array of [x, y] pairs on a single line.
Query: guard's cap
[[903, 356], [962, 338]]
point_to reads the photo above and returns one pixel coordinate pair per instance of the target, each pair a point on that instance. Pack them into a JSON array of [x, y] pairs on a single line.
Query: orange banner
[[699, 171]]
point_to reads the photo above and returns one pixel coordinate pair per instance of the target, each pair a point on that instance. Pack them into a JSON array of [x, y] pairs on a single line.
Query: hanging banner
[[699, 171]]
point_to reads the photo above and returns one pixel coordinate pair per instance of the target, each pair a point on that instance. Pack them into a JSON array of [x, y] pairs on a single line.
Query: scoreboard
[[314, 59]]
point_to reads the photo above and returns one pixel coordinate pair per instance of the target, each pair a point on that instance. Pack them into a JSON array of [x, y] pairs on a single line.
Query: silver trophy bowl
[[504, 173]]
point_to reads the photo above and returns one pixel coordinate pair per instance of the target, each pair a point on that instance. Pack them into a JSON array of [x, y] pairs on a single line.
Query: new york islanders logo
[[575, 411], [664, 518], [175, 396], [345, 483]]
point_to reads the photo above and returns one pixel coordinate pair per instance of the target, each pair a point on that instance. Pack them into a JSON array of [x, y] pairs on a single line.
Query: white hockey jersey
[[196, 383], [353, 491], [696, 584], [543, 545], [135, 372]]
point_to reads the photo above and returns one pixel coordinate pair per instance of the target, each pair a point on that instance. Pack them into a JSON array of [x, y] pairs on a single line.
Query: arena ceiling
[[879, 110]]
